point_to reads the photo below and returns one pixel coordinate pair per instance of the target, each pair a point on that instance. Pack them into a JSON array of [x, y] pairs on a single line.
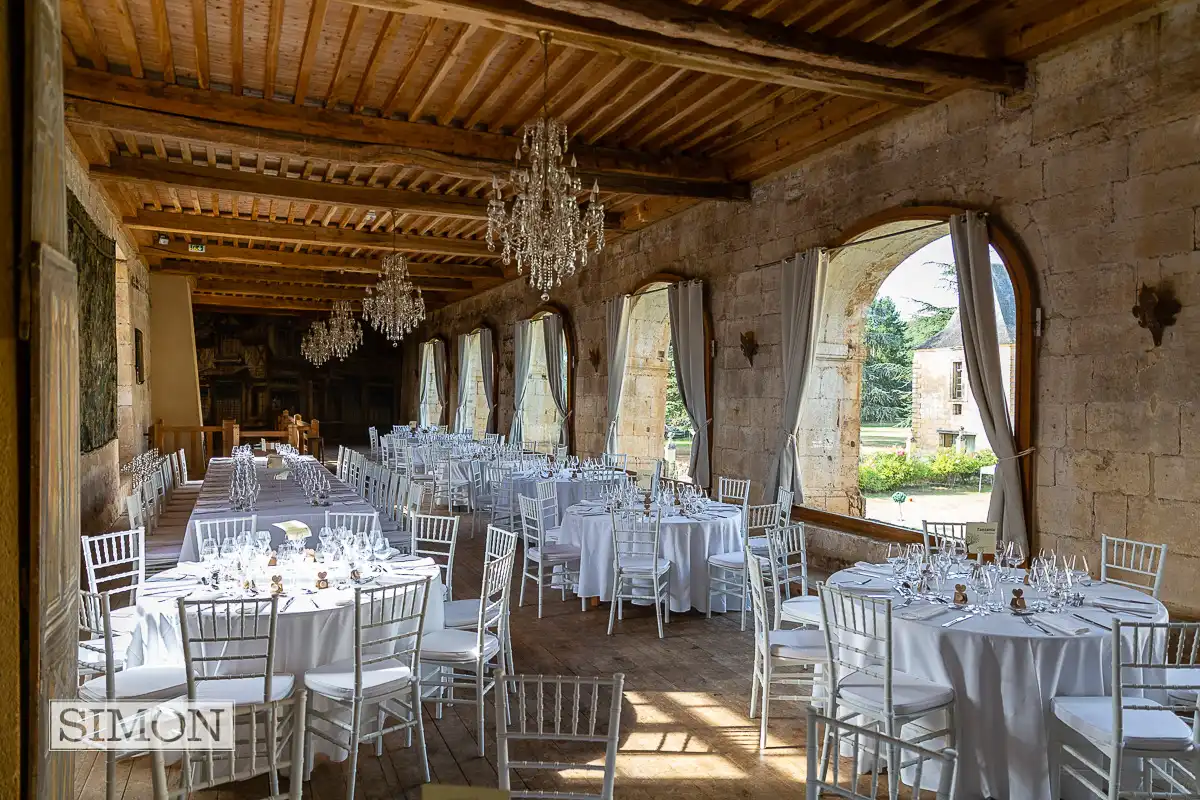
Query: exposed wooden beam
[[200, 41], [274, 31], [389, 102], [341, 68], [448, 59], [524, 18], [224, 301], [252, 288], [159, 109], [236, 43], [162, 35], [745, 33], [91, 47], [316, 235], [176, 255], [128, 36], [306, 277], [308, 54]]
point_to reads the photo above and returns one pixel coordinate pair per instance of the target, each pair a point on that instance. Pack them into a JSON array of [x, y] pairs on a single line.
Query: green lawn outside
[[879, 438]]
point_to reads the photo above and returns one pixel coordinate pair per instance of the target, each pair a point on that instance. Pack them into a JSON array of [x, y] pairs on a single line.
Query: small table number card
[[982, 538]]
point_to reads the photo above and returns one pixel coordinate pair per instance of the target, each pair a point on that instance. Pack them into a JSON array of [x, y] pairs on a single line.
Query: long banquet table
[[278, 501], [1004, 674]]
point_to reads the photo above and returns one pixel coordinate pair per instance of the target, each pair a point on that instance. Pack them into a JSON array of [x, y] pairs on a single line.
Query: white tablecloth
[[1004, 675], [687, 543], [568, 489], [316, 627], [278, 501]]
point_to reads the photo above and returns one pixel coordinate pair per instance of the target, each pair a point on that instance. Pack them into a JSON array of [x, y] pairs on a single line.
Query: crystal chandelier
[[545, 229], [345, 334], [315, 344], [394, 307]]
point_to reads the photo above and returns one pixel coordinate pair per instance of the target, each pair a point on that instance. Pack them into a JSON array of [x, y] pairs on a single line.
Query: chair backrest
[[734, 490], [532, 526], [436, 537], [168, 479], [353, 521], [387, 626], [500, 553], [760, 519], [175, 472], [116, 562], [412, 503], [788, 557], [228, 638], [543, 709], [758, 606], [547, 499], [1131, 563], [397, 499], [858, 635], [224, 528], [136, 509], [783, 503], [594, 486], [183, 465], [870, 747], [560, 453], [340, 470], [501, 486], [615, 460], [96, 637], [1158, 660], [373, 433], [938, 534], [635, 535]]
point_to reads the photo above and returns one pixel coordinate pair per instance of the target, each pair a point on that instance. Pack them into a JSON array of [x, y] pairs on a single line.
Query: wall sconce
[[594, 358], [749, 346], [1156, 309]]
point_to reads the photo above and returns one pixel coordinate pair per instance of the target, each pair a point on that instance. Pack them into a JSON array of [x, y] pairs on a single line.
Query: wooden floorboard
[[685, 730]]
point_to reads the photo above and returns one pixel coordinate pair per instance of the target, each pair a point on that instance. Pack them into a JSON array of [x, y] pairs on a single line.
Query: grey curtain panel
[[522, 350], [439, 371], [801, 303], [426, 389], [556, 345], [977, 312], [616, 330], [685, 301], [461, 424], [487, 365]]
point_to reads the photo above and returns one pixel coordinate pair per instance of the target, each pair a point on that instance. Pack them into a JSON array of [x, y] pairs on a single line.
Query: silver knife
[[285, 605], [1119, 611], [1090, 621], [956, 620], [1126, 600]]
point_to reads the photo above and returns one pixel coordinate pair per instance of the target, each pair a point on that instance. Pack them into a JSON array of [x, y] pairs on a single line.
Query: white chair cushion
[[554, 552], [1187, 677], [1144, 729], [805, 610], [456, 646], [644, 564], [140, 683], [337, 679], [245, 691], [552, 535], [461, 613], [807, 645], [735, 560], [910, 694]]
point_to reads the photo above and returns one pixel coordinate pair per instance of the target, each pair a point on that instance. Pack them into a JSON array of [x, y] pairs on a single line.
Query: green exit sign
[[195, 248]]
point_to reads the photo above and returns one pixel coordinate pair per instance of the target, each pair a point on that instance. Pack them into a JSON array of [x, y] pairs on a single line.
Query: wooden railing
[[198, 442], [304, 436]]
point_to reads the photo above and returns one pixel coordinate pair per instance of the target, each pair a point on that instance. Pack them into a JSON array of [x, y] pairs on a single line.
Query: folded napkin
[[1066, 627], [922, 613], [884, 570], [409, 562], [1123, 605]]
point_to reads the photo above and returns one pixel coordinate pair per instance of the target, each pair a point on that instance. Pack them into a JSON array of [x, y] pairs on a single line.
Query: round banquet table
[[1004, 674], [569, 490], [315, 627], [687, 543]]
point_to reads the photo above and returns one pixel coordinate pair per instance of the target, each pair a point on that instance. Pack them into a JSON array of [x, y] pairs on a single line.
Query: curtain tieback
[[1021, 454]]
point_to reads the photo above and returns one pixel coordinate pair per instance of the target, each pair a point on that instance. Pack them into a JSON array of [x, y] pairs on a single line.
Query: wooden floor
[[685, 730]]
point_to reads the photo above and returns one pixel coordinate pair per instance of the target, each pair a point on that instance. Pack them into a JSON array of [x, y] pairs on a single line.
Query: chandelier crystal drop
[[345, 334], [394, 307], [315, 344], [544, 228]]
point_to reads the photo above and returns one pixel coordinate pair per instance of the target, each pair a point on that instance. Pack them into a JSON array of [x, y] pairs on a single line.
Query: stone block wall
[[1095, 170]]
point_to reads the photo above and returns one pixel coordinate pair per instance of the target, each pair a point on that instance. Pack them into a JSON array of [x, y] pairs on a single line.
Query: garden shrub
[[887, 472]]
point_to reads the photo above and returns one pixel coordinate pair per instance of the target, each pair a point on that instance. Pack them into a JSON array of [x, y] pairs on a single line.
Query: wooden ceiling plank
[[256, 124], [645, 99], [92, 47], [320, 236], [745, 33], [228, 277], [200, 41], [449, 57], [219, 301], [525, 19], [389, 103], [589, 98], [308, 54], [722, 121], [162, 35], [341, 68], [536, 90], [237, 21], [315, 267], [128, 37], [505, 74], [681, 106], [490, 43], [274, 32]]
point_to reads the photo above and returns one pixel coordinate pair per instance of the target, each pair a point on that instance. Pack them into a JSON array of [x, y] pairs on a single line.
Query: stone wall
[[1095, 170], [932, 406], [102, 486]]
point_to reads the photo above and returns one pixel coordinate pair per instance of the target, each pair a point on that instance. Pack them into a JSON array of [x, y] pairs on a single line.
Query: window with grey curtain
[[487, 366], [556, 366], [522, 350], [685, 301], [426, 389], [981, 347], [802, 294], [464, 369], [616, 330], [439, 372]]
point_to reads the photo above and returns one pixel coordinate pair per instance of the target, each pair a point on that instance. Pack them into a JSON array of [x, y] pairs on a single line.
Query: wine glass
[[381, 546], [208, 551]]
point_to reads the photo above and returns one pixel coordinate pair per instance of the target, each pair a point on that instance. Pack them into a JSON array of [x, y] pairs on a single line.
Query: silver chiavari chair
[[1131, 563], [636, 563], [115, 563], [436, 537]]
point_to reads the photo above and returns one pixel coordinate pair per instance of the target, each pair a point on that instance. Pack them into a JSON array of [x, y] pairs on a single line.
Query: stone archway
[[642, 421]]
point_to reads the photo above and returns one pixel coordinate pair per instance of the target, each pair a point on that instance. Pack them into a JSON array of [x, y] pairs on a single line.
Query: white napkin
[[921, 613], [405, 563], [1123, 605], [883, 570], [1063, 625]]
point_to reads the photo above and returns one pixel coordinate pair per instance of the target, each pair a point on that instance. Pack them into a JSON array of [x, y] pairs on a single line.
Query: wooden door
[[48, 361]]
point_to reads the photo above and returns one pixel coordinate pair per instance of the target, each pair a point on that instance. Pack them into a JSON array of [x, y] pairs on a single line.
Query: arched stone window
[[549, 394]]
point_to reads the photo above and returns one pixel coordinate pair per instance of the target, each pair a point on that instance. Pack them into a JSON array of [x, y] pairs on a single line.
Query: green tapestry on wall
[[95, 257]]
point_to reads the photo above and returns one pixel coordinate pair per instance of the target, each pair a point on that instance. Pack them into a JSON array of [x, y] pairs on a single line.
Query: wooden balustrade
[[198, 442]]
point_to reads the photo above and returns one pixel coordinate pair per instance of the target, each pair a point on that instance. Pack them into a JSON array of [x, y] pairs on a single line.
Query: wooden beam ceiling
[[125, 169], [526, 19], [177, 253], [268, 304], [311, 277], [153, 108], [313, 235]]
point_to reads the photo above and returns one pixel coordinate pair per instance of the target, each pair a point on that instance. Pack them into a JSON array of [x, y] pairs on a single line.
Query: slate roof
[[950, 337]]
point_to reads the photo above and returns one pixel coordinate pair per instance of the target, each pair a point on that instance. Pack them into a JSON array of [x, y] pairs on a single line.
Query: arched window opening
[[473, 408], [543, 422], [891, 432], [433, 390]]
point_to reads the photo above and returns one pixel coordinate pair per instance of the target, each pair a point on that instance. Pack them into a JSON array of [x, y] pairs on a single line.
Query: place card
[[982, 538]]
